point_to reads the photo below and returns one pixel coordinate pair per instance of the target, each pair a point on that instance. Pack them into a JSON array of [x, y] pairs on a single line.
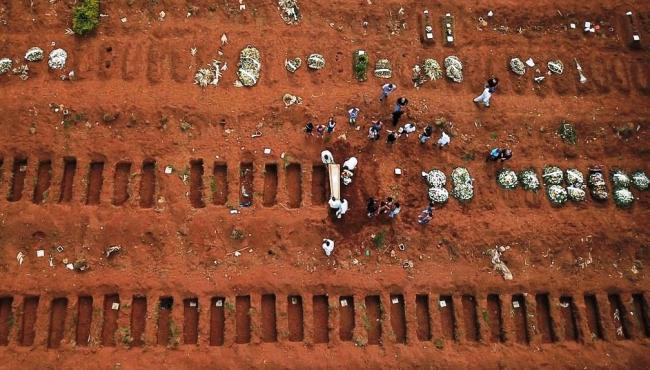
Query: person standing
[[371, 207], [334, 203], [309, 128], [395, 210], [376, 125], [386, 90], [373, 134], [444, 140], [353, 113], [328, 246], [350, 164], [391, 138], [409, 128], [497, 154], [398, 110], [490, 88], [327, 157], [426, 215], [342, 208], [426, 134], [330, 125], [320, 130]]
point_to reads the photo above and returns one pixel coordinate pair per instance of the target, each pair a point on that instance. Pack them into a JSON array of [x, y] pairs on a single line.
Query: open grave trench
[[115, 320], [256, 183]]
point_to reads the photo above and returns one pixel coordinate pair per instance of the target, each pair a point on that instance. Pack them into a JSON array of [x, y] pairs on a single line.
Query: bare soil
[[95, 177]]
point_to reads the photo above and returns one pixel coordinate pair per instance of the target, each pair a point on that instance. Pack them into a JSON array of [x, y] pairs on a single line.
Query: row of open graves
[[129, 182], [375, 319]]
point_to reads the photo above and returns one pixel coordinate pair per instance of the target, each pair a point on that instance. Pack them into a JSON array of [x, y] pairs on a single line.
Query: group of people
[[389, 206], [320, 129]]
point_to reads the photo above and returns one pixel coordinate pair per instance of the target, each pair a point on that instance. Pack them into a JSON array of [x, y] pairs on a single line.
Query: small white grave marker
[[344, 302], [395, 300], [40, 253], [192, 303], [443, 304], [115, 306], [515, 304], [218, 303]]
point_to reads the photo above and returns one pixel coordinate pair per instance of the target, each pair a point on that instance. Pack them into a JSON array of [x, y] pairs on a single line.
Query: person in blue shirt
[[353, 113], [386, 90], [498, 154]]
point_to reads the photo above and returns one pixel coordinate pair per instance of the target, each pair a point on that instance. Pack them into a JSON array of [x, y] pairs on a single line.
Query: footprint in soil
[[338, 56]]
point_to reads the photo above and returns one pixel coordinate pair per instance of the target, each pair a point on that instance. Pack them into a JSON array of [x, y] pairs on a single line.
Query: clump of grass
[[379, 239], [185, 126], [568, 133], [361, 66], [174, 334], [237, 234], [85, 17], [125, 336]]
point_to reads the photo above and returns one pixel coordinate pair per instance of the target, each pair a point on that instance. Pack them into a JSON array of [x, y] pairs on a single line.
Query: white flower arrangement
[[463, 187], [315, 61], [5, 65], [529, 180], [620, 179], [557, 195], [640, 180], [507, 178], [435, 178], [576, 193], [57, 59], [249, 66], [34, 54], [623, 197], [573, 176], [438, 195], [552, 175], [208, 76], [598, 186]]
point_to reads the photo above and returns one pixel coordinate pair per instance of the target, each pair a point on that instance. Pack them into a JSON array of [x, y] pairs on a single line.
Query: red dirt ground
[[177, 236]]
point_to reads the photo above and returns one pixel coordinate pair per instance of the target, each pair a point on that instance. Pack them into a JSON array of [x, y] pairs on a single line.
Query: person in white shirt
[[444, 140], [334, 203], [342, 209], [327, 157], [409, 128], [350, 164], [328, 246]]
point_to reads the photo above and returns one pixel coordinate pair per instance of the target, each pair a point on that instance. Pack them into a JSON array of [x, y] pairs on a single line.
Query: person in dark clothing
[[498, 154], [426, 134], [330, 125], [398, 110], [371, 208], [392, 136], [309, 128]]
